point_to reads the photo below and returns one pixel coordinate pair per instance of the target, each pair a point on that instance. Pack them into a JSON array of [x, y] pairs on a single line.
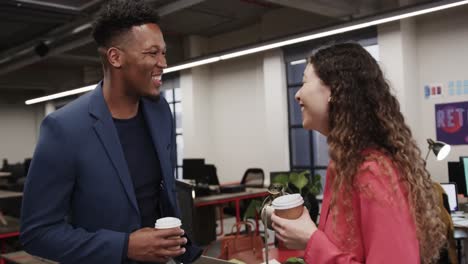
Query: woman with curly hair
[[379, 205]]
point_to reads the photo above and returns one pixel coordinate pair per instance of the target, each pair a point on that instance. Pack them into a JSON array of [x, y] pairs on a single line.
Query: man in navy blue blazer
[[103, 168]]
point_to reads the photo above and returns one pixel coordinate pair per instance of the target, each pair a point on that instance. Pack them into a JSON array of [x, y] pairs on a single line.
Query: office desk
[[460, 233], [218, 199], [10, 230], [10, 203], [198, 213]]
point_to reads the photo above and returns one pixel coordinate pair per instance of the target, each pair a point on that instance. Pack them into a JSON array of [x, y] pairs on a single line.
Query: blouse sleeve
[[387, 228]]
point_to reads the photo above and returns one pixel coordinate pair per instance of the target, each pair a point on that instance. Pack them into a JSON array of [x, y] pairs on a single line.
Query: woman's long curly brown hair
[[364, 114]]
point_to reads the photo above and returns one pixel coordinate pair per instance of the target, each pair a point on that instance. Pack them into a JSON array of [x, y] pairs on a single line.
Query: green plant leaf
[[299, 180], [318, 182], [281, 179], [295, 260], [252, 209], [314, 190], [315, 186]]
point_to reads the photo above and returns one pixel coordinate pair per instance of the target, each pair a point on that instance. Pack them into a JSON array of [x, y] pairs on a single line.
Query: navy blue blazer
[[79, 202]]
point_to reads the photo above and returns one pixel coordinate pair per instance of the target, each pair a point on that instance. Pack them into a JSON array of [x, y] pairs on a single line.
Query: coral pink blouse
[[384, 230]]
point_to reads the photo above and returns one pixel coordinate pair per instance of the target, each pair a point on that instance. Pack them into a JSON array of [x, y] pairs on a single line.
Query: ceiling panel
[[211, 17], [175, 25], [19, 33], [26, 23]]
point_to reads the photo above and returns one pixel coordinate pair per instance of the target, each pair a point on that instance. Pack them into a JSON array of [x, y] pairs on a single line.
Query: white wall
[[238, 117], [276, 112], [431, 49], [235, 114], [19, 130], [443, 56], [398, 60], [196, 113]]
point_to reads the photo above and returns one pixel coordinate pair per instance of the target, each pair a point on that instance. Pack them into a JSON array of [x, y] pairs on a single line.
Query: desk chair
[[16, 181], [211, 174], [253, 177], [448, 254], [212, 179], [4, 165]]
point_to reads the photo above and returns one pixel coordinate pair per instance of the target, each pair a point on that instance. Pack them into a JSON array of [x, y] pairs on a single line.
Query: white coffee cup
[[167, 222], [289, 206]]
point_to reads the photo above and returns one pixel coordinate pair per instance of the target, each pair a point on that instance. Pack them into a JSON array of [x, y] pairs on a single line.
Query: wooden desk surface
[[226, 197], [21, 257], [10, 194], [460, 220]]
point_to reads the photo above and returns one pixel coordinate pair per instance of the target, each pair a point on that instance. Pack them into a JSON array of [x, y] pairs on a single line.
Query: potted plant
[[295, 182], [309, 186]]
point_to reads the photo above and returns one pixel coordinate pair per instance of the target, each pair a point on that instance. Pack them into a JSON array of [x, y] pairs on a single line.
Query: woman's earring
[[329, 99]]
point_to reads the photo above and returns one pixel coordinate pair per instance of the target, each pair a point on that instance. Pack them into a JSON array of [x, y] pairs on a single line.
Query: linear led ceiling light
[[191, 64], [358, 24], [59, 95]]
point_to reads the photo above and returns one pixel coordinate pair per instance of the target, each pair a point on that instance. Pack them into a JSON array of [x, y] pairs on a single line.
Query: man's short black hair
[[119, 16]]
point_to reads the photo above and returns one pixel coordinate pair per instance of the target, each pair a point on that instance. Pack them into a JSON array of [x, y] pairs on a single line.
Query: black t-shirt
[[143, 164]]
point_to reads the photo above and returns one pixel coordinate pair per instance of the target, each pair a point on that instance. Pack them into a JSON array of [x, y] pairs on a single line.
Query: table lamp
[[440, 149]]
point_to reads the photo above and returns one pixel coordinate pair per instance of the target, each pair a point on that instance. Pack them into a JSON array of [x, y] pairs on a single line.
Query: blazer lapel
[[109, 138]]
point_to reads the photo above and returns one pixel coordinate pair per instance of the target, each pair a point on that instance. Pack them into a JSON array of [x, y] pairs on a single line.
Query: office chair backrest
[[17, 170], [253, 177], [4, 165], [27, 164], [211, 174]]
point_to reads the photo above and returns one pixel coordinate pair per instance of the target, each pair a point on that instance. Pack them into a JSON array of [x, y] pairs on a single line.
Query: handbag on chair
[[246, 247]]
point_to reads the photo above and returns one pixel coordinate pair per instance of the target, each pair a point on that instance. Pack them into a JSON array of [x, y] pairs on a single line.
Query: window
[[173, 93], [308, 149]]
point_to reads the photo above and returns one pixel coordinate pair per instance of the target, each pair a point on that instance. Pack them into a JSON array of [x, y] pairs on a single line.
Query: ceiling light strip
[[192, 64], [62, 94], [328, 32]]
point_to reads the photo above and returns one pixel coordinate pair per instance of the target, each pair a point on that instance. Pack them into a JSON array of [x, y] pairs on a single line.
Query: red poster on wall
[[451, 123]]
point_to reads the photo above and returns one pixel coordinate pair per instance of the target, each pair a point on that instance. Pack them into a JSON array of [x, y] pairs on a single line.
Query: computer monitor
[[193, 169], [451, 191], [457, 175], [464, 169], [274, 174]]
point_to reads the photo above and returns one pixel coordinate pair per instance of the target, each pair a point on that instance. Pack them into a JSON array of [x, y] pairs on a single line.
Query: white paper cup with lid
[[168, 223], [289, 206]]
